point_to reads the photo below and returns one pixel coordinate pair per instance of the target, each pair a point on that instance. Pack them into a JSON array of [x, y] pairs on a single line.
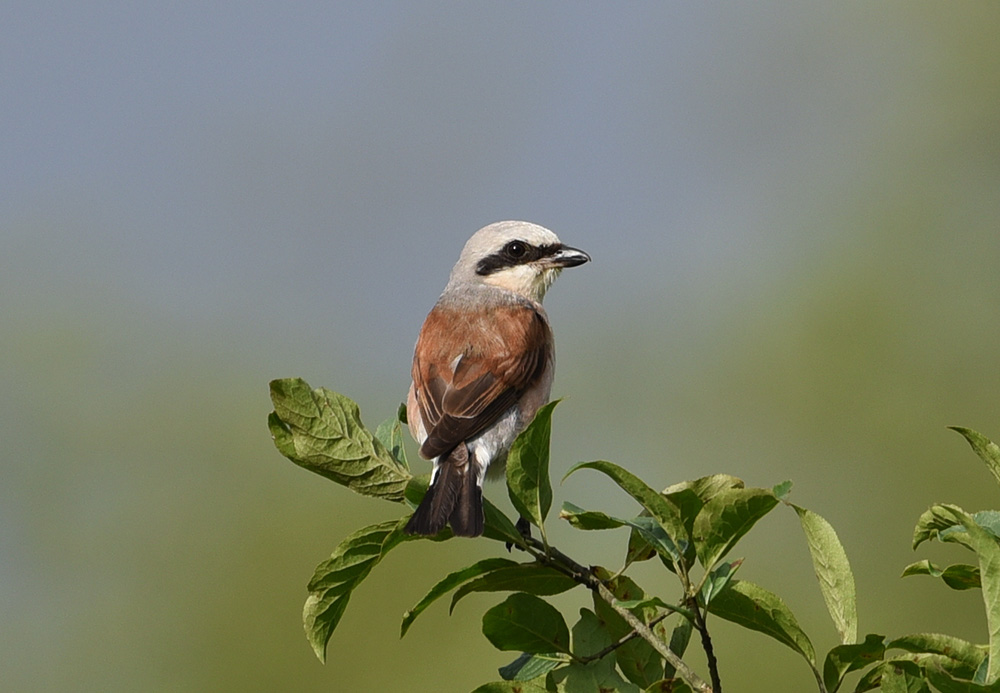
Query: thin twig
[[643, 630], [552, 556], [706, 644], [631, 635]]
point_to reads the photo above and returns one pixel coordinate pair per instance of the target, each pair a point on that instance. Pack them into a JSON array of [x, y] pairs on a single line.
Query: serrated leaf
[[966, 656], [533, 578], [336, 578], [988, 451], [843, 659], [531, 666], [658, 506], [321, 431], [754, 607], [960, 576], [726, 518], [988, 552], [525, 623], [510, 687], [588, 519], [450, 582], [528, 482], [833, 571]]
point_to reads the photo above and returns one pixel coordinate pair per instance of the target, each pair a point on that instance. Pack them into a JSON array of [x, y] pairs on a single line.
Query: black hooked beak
[[566, 256]]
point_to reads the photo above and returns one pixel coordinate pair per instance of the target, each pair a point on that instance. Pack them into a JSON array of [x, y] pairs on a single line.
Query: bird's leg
[[523, 526]]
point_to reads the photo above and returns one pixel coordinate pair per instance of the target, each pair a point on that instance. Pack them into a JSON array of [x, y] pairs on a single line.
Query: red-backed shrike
[[482, 367]]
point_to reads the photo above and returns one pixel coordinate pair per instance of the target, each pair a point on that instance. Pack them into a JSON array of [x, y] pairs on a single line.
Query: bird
[[482, 366]]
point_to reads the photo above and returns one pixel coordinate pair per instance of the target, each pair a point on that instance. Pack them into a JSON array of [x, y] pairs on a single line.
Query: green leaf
[[960, 576], [449, 583], [656, 537], [833, 570], [782, 490], [946, 683], [639, 662], [390, 434], [679, 639], [988, 551], [497, 525], [533, 578], [669, 686], [637, 659], [988, 520], [936, 523], [658, 506], [706, 487], [966, 657], [718, 579], [525, 623], [688, 497], [336, 578], [897, 676], [510, 687], [649, 601], [988, 451], [588, 519], [528, 468], [590, 636], [726, 518], [531, 666], [753, 607], [691, 496], [844, 659], [415, 489], [321, 431]]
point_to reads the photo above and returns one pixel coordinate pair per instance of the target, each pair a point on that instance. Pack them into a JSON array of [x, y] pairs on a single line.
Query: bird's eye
[[516, 249]]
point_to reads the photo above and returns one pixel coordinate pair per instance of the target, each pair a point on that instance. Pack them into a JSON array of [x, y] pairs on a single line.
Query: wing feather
[[470, 369]]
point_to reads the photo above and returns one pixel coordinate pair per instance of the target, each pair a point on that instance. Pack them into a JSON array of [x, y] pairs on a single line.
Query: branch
[[632, 635], [706, 643], [566, 565]]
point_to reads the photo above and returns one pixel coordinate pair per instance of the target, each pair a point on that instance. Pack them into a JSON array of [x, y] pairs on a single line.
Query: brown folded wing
[[468, 369]]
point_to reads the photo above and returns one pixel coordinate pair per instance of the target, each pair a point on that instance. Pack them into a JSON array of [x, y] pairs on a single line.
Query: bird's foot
[[523, 527]]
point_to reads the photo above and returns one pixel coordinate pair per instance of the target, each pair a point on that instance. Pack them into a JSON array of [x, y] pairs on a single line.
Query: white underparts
[[489, 449]]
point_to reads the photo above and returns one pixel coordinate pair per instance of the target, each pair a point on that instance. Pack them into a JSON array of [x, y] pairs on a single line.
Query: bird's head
[[518, 256]]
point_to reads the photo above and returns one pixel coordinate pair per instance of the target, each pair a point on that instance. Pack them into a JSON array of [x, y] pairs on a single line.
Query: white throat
[[525, 280]]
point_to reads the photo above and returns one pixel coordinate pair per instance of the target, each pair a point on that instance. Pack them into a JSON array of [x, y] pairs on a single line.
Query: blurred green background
[[794, 215]]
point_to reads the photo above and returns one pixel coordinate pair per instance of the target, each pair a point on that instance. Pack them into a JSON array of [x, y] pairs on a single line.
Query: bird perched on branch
[[482, 367]]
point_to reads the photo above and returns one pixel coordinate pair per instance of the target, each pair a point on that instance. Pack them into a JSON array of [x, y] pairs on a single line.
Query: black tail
[[454, 498]]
